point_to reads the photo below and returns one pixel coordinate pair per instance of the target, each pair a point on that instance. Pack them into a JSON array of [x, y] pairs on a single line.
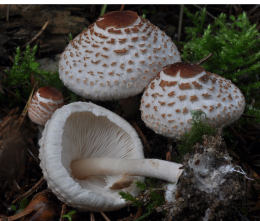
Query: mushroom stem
[[161, 169]]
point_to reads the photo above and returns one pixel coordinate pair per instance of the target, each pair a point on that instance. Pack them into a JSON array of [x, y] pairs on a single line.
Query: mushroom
[[44, 102], [88, 154], [180, 88], [115, 57]]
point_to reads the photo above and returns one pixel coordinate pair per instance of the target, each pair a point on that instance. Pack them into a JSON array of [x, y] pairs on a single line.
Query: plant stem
[[103, 10]]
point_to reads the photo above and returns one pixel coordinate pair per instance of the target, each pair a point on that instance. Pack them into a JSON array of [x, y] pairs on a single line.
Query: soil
[[49, 26], [210, 187]]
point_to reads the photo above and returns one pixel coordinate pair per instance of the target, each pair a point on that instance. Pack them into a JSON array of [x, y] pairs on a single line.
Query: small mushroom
[[88, 154], [115, 57], [44, 102], [180, 88]]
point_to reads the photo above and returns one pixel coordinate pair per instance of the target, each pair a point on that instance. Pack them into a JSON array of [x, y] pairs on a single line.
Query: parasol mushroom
[[44, 102], [115, 57], [88, 154], [181, 88]]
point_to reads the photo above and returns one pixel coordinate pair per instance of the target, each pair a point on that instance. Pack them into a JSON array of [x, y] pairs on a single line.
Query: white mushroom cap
[[116, 57], [44, 102], [85, 130], [181, 88]]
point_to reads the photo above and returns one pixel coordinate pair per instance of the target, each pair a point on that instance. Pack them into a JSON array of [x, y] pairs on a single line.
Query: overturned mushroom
[[83, 140], [44, 102], [115, 57], [181, 88]]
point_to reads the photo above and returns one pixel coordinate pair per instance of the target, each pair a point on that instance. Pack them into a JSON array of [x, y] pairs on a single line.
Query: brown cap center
[[186, 70], [50, 93], [117, 19]]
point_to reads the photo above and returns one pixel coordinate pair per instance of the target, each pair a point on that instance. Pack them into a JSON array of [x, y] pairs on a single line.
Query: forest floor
[[50, 27]]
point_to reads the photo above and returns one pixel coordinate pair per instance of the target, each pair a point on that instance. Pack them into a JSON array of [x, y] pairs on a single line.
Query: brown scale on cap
[[117, 19], [50, 93], [185, 86], [185, 110], [193, 98], [44, 102], [167, 83], [182, 97], [196, 85], [186, 70]]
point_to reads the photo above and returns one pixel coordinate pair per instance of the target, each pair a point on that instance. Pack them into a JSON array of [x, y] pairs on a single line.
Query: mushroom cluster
[[44, 102], [181, 88], [88, 154], [115, 57]]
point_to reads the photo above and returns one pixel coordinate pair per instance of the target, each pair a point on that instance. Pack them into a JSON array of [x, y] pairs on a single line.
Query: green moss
[[234, 44], [68, 216], [150, 199], [199, 128], [25, 72]]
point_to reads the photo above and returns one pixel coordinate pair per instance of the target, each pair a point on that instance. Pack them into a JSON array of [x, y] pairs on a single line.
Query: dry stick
[[11, 59], [105, 216], [168, 156], [122, 7], [209, 14], [7, 119], [39, 33], [204, 59], [32, 155], [7, 13], [12, 93], [30, 191], [63, 210], [180, 22], [23, 114], [253, 9], [169, 152], [138, 213], [92, 217], [20, 215], [143, 138]]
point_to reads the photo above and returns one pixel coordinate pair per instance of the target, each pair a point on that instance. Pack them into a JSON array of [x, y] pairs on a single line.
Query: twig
[[23, 114], [12, 93], [249, 116], [16, 185], [39, 33], [7, 13], [25, 212], [32, 155], [204, 59], [92, 217], [209, 14], [168, 156], [122, 7], [7, 119], [63, 210], [180, 22], [253, 9], [143, 138], [138, 213], [30, 191], [11, 58], [238, 135], [105, 216]]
